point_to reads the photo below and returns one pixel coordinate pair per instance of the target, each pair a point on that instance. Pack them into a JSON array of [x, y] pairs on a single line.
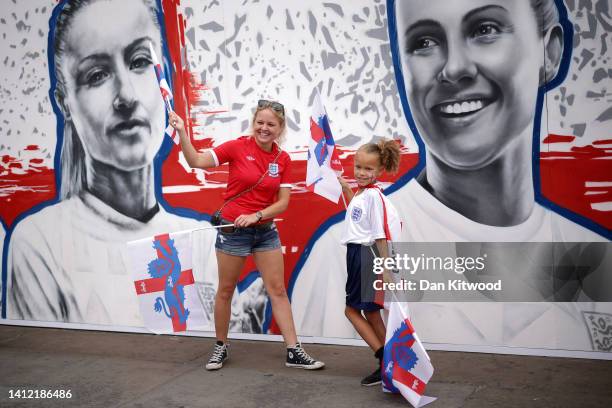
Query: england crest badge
[[273, 169], [356, 214]]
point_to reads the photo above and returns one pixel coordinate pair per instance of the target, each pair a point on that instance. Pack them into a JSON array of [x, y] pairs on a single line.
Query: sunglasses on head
[[275, 106]]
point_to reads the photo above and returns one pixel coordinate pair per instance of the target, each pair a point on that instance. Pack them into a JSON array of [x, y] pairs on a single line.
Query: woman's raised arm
[[194, 158]]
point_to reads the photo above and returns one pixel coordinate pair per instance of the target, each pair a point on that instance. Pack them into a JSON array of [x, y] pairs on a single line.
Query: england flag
[[323, 165], [165, 90], [406, 366], [164, 283]]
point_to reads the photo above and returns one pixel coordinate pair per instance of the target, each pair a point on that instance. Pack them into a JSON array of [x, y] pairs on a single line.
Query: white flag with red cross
[[323, 166], [164, 283], [406, 368]]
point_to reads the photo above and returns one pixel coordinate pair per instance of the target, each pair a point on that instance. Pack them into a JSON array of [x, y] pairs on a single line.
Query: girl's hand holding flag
[[323, 166], [347, 190]]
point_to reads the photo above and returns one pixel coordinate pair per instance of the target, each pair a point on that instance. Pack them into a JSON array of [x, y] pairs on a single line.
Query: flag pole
[[213, 227], [168, 106], [344, 201]]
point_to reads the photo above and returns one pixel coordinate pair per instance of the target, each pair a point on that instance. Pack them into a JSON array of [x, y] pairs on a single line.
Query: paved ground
[[136, 370]]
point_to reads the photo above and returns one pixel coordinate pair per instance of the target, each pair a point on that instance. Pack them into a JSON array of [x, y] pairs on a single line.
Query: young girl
[[370, 219]]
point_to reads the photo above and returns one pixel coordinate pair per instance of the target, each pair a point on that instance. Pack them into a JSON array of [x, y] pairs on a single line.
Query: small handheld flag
[[323, 160], [165, 90]]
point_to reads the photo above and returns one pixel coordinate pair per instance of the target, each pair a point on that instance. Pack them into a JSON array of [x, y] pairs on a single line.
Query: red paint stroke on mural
[[186, 87], [24, 183], [586, 152], [572, 178], [603, 142], [558, 139]]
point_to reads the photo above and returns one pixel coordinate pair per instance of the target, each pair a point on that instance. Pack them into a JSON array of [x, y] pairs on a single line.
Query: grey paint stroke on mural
[[25, 110], [590, 77], [338, 47]]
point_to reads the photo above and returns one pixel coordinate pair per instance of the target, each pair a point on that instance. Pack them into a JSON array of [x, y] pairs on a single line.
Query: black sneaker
[[298, 358], [372, 379], [219, 355]]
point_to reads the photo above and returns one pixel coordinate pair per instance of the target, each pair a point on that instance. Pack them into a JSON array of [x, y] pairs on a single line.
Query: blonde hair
[[388, 152]]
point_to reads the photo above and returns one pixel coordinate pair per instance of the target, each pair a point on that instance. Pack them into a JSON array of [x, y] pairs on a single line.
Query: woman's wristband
[[259, 215]]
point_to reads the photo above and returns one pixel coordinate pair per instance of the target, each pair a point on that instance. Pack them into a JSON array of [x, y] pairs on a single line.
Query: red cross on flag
[[164, 283], [406, 368]]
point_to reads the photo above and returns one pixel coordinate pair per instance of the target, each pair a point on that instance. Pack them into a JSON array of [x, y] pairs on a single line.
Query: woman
[[257, 191], [68, 262]]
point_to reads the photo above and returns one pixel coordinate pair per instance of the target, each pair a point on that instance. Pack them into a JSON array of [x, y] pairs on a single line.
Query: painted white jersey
[[365, 218], [318, 295], [428, 220]]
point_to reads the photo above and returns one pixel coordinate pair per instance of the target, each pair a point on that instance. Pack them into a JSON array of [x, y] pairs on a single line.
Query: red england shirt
[[247, 162]]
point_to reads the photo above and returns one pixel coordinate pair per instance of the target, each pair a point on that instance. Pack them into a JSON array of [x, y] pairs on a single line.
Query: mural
[[85, 166], [464, 73]]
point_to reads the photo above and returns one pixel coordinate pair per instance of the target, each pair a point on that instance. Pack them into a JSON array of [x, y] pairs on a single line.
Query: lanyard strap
[[385, 219]]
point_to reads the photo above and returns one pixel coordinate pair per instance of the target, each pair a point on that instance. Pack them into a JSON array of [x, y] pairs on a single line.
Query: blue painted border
[[568, 36], [7, 237], [247, 281]]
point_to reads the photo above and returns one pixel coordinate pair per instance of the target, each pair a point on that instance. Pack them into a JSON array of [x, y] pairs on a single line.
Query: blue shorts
[[354, 264], [244, 241]]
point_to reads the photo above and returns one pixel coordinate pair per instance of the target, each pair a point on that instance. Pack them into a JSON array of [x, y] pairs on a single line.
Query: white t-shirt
[[365, 218], [69, 262]]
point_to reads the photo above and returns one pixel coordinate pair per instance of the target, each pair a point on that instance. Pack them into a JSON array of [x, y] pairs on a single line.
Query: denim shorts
[[244, 241]]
